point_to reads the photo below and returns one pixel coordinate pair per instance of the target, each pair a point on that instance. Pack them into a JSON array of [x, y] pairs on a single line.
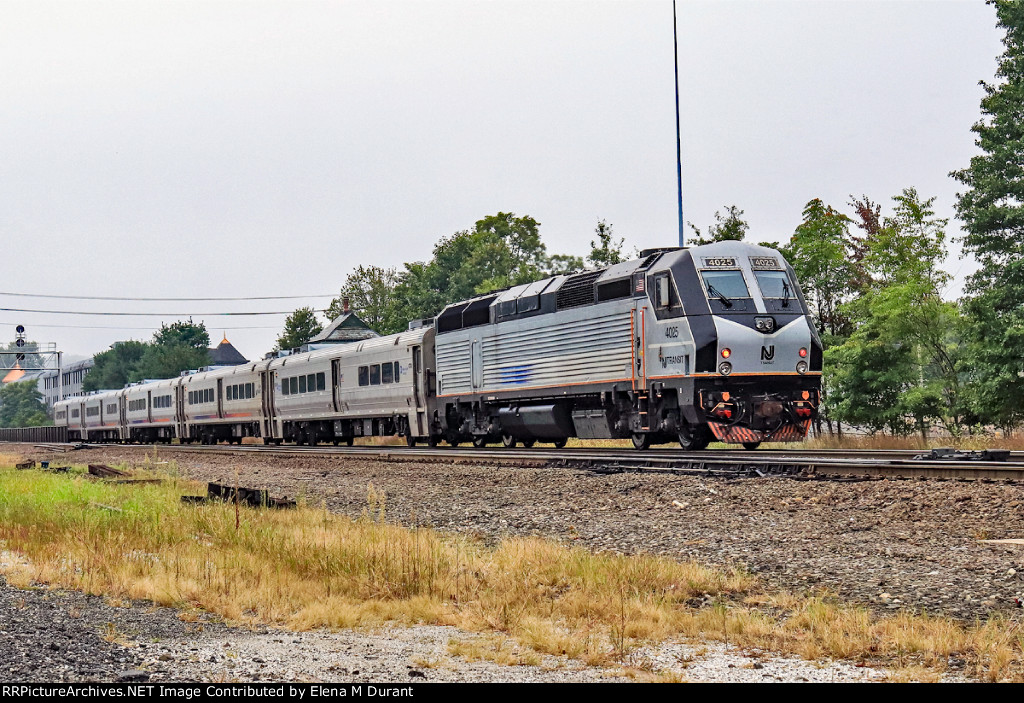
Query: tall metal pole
[[679, 150]]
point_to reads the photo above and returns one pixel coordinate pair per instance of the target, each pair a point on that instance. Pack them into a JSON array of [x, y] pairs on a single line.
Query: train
[[690, 345]]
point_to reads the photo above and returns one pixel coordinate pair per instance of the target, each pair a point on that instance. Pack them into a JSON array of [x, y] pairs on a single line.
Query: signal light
[[803, 351], [726, 353], [726, 395], [805, 395]]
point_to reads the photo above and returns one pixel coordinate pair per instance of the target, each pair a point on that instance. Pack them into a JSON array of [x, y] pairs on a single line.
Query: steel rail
[[806, 463]]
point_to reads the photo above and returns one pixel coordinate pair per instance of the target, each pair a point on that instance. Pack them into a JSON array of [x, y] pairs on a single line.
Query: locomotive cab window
[[727, 284], [775, 284], [662, 292]]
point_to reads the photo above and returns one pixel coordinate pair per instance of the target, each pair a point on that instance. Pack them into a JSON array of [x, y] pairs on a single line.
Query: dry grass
[[995, 440], [308, 568]]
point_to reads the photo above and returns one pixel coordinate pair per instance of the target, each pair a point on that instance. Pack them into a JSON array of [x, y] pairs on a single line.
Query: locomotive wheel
[[349, 441], [479, 442], [694, 438], [529, 443], [751, 445], [641, 440], [560, 443], [508, 441], [453, 442], [410, 440], [432, 440]]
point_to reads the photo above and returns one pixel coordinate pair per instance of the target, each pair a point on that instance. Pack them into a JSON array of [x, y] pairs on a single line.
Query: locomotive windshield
[[725, 285], [774, 284]]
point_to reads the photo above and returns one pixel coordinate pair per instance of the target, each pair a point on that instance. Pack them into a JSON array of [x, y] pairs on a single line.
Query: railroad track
[[806, 464]]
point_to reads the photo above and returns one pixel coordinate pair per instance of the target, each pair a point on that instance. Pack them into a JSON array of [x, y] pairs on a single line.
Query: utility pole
[[679, 151]]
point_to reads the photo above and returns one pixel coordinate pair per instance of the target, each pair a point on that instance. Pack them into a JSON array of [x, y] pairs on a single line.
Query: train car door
[[149, 407], [179, 409], [638, 323], [335, 384], [122, 417], [419, 390], [220, 397], [267, 398]]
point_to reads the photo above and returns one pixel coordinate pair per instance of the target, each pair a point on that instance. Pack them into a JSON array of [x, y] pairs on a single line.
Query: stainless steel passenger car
[[373, 387]]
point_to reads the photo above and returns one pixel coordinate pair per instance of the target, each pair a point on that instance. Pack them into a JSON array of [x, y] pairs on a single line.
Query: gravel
[[62, 637]]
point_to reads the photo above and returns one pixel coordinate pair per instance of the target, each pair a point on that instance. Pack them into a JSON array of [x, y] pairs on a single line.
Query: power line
[[176, 300], [152, 314], [103, 327]]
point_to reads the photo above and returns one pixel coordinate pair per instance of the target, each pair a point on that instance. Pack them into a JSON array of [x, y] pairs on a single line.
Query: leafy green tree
[[501, 250], [605, 251], [820, 253], [181, 333], [902, 317], [299, 327], [168, 361], [992, 210], [371, 294], [728, 227], [114, 368], [21, 405]]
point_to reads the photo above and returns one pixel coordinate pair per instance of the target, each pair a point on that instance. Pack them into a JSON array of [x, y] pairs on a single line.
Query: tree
[[901, 366], [731, 227], [605, 251], [181, 333], [992, 210], [371, 293], [114, 368], [21, 405], [169, 360], [501, 250], [299, 328], [819, 252]]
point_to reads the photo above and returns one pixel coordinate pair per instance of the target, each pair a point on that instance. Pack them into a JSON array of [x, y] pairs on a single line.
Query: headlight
[[801, 367], [764, 324], [725, 368]]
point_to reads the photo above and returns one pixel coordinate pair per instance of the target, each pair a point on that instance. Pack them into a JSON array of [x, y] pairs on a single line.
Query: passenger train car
[[693, 345]]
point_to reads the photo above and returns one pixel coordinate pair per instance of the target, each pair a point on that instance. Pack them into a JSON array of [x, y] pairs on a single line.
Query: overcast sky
[[189, 149]]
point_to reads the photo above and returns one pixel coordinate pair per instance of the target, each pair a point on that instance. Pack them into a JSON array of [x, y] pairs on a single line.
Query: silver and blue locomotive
[[693, 345]]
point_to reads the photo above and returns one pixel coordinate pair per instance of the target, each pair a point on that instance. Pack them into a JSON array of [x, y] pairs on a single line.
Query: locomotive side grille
[[578, 290]]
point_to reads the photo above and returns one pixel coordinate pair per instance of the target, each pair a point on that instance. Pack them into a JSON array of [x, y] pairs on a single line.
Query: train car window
[[775, 284], [396, 372], [284, 386], [302, 384], [364, 376], [387, 373], [728, 284], [662, 291], [294, 382], [375, 375], [311, 382], [321, 381]]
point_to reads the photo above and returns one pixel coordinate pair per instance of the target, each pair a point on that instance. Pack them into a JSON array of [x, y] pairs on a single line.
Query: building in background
[[73, 374]]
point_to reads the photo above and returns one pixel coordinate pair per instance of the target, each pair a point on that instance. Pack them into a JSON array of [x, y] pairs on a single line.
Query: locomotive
[[707, 343]]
